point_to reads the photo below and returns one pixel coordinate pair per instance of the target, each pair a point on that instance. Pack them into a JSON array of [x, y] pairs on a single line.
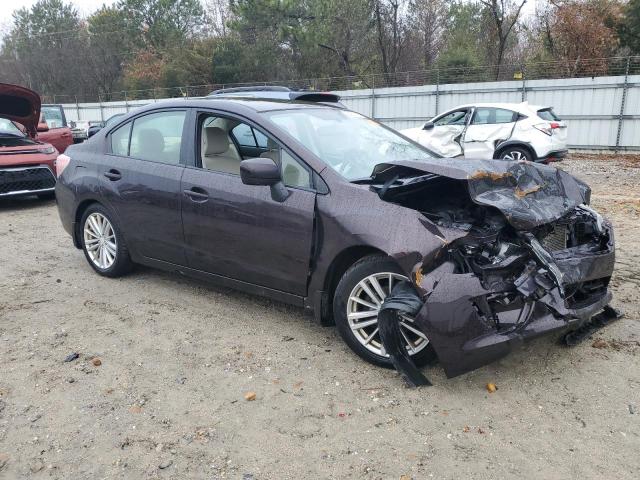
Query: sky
[[86, 7]]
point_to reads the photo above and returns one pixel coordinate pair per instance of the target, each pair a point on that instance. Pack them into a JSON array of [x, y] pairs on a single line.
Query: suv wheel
[[103, 244], [356, 304], [516, 154]]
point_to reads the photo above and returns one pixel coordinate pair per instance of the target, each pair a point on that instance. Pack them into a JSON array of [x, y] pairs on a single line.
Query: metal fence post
[[77, 109], [126, 101], [625, 87], [373, 96], [101, 108], [524, 84], [437, 91]]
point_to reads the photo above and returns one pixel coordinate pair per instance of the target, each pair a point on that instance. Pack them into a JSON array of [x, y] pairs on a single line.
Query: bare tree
[[427, 20], [390, 28], [504, 15], [219, 13]]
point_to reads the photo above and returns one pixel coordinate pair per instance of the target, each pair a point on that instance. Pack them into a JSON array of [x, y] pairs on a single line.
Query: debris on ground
[[71, 357], [250, 396], [165, 464], [96, 362], [599, 343], [491, 387]]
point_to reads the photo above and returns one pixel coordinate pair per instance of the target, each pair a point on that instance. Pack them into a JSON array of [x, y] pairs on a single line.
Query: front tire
[[103, 243], [516, 154], [356, 302]]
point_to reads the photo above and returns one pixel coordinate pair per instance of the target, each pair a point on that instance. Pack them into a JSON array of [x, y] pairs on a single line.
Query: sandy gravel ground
[[177, 357]]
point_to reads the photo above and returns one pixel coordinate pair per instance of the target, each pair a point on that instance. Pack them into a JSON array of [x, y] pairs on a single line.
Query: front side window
[[348, 142], [225, 142], [454, 118], [158, 137]]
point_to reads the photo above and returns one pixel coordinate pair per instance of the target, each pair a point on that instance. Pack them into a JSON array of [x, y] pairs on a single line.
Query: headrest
[[217, 141], [151, 140]]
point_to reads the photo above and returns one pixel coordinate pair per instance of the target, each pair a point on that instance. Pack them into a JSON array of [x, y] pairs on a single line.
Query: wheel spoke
[[409, 344], [363, 302], [366, 323], [368, 291], [378, 288], [414, 330], [370, 337], [363, 314]]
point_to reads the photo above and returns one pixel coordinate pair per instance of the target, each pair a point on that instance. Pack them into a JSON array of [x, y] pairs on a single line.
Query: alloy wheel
[[363, 306], [514, 155], [100, 241]]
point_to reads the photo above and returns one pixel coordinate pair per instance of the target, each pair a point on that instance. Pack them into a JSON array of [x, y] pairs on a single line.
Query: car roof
[[521, 107], [237, 104]]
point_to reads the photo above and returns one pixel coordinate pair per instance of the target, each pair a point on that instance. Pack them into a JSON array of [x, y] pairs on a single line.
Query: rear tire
[[515, 154], [386, 270], [103, 243]]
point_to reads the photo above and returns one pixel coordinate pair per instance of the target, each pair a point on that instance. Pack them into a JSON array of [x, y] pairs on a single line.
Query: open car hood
[[20, 105], [528, 194]]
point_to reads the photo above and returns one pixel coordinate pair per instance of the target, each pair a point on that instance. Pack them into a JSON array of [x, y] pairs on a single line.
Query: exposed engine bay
[[522, 255]]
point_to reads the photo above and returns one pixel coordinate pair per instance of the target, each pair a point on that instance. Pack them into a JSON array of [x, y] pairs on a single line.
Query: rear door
[[444, 138], [239, 231], [489, 126], [140, 181]]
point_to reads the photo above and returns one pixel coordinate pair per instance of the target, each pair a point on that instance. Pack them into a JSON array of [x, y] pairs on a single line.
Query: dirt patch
[[200, 382]]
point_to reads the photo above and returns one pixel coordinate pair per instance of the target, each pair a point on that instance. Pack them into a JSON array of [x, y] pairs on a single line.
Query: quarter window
[[120, 140], [158, 137]]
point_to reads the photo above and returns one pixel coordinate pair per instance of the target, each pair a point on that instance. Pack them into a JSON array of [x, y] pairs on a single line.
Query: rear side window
[[120, 140], [158, 137], [548, 115], [53, 117], [485, 116]]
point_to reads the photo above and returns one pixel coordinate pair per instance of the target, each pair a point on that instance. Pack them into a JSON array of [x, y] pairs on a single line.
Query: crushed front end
[[522, 255]]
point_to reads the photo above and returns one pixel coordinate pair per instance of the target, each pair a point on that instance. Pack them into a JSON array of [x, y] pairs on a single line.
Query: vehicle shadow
[[24, 203]]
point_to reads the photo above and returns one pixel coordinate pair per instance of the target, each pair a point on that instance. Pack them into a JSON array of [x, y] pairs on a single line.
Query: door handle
[[113, 175], [196, 194]]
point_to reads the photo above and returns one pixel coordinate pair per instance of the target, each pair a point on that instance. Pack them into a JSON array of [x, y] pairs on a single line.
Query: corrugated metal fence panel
[[590, 106]]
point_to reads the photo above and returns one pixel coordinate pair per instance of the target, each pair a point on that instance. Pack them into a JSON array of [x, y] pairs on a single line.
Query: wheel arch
[[340, 264], [82, 207], [515, 144]]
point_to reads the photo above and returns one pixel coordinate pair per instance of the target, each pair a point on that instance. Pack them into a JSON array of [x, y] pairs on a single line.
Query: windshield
[[348, 142], [53, 116], [7, 127]]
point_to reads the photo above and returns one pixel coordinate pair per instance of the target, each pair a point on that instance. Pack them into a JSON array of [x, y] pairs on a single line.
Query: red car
[[54, 128], [27, 165]]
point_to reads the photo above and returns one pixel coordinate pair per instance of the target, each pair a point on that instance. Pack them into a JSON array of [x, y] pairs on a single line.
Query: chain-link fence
[[595, 67]]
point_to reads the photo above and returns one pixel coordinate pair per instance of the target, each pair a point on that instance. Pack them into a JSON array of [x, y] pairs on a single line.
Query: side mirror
[[43, 127], [428, 126], [264, 171]]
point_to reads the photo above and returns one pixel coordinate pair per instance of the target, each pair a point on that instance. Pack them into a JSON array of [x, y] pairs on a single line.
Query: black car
[[411, 256], [93, 129]]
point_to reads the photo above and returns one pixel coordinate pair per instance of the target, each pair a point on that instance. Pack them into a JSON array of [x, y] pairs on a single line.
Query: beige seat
[[218, 152]]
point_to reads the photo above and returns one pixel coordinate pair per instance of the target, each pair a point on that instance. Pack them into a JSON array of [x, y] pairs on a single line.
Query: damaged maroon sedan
[[412, 257]]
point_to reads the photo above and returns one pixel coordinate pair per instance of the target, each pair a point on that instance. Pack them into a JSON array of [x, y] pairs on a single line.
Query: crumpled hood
[[527, 193], [21, 105]]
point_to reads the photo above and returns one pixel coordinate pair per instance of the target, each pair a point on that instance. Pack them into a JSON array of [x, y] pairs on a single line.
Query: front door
[[140, 180], [239, 231], [446, 135], [488, 128]]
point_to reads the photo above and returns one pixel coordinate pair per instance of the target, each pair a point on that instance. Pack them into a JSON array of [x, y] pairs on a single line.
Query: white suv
[[509, 131]]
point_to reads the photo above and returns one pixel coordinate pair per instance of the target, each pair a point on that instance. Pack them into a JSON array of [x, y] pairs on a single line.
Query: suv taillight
[[547, 128], [61, 163]]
